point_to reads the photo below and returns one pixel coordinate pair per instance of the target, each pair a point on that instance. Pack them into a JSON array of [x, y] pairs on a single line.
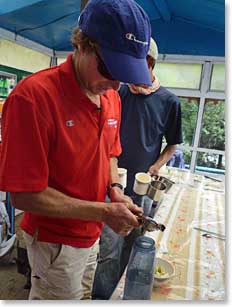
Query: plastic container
[[147, 204], [122, 173], [141, 183], [140, 271]]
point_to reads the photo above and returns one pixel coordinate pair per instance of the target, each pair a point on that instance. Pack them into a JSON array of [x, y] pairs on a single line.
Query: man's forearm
[[113, 176], [53, 203], [50, 202], [165, 156]]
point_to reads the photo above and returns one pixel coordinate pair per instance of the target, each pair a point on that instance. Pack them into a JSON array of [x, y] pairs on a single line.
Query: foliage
[[212, 130], [187, 156], [189, 109]]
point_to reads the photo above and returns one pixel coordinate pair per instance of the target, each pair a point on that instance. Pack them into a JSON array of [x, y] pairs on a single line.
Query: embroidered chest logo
[[112, 122], [69, 123]]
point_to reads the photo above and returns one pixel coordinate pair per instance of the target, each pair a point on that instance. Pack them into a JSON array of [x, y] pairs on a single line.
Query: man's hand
[[119, 216], [164, 157], [153, 170]]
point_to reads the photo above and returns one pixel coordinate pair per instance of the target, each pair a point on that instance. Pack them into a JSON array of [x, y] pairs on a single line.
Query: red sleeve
[[25, 146]]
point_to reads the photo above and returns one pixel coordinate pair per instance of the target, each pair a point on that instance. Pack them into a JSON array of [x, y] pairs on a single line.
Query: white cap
[[153, 50]]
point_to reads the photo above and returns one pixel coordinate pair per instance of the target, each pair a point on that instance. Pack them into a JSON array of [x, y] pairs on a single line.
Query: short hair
[[78, 37]]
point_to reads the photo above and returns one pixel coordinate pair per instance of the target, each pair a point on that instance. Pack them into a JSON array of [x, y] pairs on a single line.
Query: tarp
[[188, 27]]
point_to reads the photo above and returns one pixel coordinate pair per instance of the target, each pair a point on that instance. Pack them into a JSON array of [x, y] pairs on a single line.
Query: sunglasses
[[102, 67]]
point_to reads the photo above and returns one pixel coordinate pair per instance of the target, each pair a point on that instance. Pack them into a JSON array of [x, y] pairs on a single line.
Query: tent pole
[[53, 60]]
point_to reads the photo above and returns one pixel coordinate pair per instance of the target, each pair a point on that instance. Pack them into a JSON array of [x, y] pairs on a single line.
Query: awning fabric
[[188, 27]]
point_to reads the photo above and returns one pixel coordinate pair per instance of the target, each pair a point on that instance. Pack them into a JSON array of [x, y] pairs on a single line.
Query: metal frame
[[25, 42], [194, 59], [8, 75]]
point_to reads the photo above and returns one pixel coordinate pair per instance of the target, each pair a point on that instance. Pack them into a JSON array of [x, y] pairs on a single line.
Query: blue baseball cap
[[122, 30]]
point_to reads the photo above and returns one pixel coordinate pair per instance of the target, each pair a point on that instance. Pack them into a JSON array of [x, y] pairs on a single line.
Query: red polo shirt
[[53, 135]]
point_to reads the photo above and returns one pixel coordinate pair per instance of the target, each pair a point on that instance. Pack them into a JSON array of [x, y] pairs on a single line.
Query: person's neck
[[76, 65], [94, 98], [151, 74]]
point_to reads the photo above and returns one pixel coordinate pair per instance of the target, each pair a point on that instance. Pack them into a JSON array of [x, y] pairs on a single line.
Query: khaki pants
[[60, 272]]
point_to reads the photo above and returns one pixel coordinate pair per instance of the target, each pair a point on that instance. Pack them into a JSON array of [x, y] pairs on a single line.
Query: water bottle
[[5, 87], [140, 270], [1, 87]]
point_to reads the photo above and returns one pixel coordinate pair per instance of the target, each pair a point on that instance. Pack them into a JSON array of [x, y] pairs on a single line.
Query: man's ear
[[150, 62]]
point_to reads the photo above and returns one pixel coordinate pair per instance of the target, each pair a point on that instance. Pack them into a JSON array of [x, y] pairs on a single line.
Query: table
[[199, 260]]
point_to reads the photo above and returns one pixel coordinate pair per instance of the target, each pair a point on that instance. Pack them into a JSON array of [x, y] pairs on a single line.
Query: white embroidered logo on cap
[[132, 37]]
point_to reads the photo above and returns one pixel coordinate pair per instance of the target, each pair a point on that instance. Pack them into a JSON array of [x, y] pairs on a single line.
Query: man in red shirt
[[60, 133]]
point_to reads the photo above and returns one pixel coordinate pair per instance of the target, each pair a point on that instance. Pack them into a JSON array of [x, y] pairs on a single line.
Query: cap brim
[[126, 68]]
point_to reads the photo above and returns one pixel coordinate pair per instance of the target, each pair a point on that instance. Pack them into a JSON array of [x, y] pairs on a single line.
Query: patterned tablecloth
[[199, 260]]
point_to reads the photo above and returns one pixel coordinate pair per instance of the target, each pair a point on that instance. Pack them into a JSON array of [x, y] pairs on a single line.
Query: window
[[60, 60], [202, 101], [189, 110], [209, 162], [218, 78], [187, 157], [213, 125], [178, 75]]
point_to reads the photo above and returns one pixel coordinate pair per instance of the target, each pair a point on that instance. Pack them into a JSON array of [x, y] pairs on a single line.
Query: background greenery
[[212, 130]]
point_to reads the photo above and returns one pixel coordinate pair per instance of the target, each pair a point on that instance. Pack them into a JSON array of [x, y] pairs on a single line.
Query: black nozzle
[[162, 227]]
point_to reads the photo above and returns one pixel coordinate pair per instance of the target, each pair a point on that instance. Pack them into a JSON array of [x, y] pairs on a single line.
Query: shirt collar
[[71, 88], [69, 84]]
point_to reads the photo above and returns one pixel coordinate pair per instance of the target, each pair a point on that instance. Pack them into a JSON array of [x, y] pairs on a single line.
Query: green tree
[[189, 109], [212, 130], [213, 127]]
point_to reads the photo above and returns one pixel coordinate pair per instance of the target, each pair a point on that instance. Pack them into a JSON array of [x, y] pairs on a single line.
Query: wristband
[[116, 184]]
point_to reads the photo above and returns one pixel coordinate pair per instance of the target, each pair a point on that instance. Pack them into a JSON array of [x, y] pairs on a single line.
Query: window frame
[[202, 94]]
